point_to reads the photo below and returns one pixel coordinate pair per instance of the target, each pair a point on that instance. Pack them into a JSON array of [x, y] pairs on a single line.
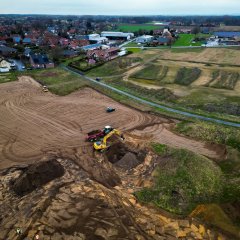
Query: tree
[[196, 30], [56, 53]]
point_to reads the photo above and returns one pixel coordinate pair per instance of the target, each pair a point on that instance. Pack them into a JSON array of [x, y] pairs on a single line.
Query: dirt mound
[[122, 156], [128, 161], [36, 175]]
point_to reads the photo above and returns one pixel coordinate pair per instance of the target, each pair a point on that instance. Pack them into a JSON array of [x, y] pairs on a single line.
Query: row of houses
[[223, 39], [165, 37]]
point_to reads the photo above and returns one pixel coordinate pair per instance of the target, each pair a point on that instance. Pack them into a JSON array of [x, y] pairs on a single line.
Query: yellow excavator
[[102, 145]]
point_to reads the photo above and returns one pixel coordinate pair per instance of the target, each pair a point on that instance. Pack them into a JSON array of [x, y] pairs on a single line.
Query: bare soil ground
[[34, 123], [86, 195], [219, 55]]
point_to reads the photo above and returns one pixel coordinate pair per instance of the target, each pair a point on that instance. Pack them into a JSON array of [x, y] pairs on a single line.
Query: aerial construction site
[[55, 185]]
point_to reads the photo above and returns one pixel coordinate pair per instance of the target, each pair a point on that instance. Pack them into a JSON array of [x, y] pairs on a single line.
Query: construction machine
[[45, 89], [102, 145], [110, 109], [96, 135]]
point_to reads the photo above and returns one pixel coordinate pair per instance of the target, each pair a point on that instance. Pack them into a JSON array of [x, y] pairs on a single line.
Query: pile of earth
[[37, 175], [120, 155]]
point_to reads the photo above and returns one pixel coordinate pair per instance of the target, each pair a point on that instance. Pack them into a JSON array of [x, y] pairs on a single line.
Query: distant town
[[35, 42]]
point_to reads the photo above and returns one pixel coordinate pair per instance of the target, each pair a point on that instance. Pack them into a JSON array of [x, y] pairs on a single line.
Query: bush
[[211, 132], [186, 76], [162, 94], [151, 72], [182, 180]]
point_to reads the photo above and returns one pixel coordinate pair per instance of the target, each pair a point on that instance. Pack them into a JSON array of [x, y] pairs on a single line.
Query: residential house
[[6, 64], [27, 40], [70, 53], [98, 55], [227, 38], [144, 39], [27, 52], [16, 39], [157, 32], [38, 60], [76, 44], [185, 30], [226, 35], [164, 40], [92, 47], [63, 41], [113, 52], [7, 51]]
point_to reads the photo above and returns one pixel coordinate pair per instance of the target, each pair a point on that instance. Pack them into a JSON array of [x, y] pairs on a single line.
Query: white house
[[4, 69], [144, 39], [7, 64], [97, 38]]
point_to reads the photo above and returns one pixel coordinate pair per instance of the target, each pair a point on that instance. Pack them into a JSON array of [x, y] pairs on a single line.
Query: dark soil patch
[[36, 175], [122, 156], [233, 211]]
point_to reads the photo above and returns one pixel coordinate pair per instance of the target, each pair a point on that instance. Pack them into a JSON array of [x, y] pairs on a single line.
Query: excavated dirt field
[[34, 123], [53, 186]]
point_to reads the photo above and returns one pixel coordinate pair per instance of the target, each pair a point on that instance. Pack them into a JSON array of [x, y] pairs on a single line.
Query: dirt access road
[[34, 123]]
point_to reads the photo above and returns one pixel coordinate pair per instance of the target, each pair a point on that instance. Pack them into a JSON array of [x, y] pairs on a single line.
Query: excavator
[[102, 145]]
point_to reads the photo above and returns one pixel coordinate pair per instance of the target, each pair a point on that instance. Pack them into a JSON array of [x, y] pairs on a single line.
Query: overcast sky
[[121, 7]]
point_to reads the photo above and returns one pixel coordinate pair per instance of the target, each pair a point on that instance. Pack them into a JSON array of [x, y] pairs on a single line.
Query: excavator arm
[[103, 144]]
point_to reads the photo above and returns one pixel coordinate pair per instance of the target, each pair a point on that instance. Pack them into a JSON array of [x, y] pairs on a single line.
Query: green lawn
[[132, 44], [134, 50], [114, 67], [182, 180], [8, 77], [58, 80], [186, 39]]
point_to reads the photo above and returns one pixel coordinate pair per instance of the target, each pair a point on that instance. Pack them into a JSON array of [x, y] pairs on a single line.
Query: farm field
[[199, 85], [137, 27], [220, 55]]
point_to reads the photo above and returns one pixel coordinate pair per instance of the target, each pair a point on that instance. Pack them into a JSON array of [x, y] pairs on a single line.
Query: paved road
[[169, 109]]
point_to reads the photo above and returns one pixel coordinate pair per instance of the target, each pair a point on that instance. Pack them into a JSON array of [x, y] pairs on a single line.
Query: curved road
[[169, 109]]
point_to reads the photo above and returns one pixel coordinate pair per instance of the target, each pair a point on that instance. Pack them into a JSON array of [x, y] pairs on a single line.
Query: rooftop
[[227, 34]]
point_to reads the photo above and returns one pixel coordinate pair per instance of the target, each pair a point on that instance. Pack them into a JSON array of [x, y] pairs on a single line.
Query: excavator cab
[[102, 145], [107, 129]]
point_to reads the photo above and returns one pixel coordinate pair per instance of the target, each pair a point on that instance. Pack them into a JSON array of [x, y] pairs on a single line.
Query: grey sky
[[120, 7]]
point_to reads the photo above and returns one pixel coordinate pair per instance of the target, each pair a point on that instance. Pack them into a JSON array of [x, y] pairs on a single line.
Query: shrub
[[186, 76]]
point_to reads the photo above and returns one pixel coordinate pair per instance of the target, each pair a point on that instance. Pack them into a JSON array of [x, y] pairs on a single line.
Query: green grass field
[[182, 180], [186, 40], [114, 67], [8, 77], [58, 80], [136, 27]]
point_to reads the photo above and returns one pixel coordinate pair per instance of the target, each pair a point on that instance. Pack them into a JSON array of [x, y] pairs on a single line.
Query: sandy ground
[[34, 123]]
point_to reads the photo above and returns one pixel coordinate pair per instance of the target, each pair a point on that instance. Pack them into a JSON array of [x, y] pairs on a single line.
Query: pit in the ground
[[120, 155]]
